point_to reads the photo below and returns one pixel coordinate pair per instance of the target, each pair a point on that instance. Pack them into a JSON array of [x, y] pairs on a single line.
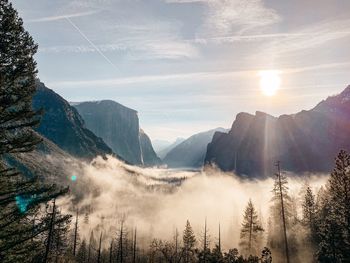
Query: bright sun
[[270, 82]]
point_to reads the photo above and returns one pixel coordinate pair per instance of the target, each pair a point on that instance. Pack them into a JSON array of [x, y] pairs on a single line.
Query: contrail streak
[[91, 43]]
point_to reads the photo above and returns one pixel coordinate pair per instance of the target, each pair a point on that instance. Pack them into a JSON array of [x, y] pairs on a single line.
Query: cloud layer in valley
[[157, 201]]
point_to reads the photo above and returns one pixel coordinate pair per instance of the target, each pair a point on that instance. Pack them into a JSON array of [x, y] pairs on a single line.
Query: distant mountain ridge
[[159, 145], [62, 124], [191, 152], [163, 152], [119, 127], [304, 142]]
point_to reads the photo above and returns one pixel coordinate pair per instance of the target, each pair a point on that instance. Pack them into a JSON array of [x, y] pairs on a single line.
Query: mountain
[[159, 145], [304, 142], [163, 152], [62, 124], [149, 156], [119, 128], [55, 166], [191, 152]]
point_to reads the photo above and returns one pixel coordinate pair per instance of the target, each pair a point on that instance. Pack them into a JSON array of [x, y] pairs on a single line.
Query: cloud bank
[[158, 201]]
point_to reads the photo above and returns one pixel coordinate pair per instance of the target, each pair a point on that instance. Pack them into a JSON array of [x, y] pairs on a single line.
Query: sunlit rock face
[[119, 128], [62, 124], [304, 142]]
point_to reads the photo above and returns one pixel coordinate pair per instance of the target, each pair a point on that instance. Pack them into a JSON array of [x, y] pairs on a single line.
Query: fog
[[157, 201]]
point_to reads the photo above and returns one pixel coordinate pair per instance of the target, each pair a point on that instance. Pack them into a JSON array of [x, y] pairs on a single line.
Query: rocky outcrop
[[304, 142], [119, 128], [62, 124], [149, 156]]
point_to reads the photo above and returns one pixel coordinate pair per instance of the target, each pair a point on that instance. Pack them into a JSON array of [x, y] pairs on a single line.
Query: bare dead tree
[[283, 212], [75, 233]]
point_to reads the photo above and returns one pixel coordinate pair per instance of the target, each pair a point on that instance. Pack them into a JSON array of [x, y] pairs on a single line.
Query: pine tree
[[339, 190], [231, 256], [189, 243], [251, 231], [309, 208], [331, 242], [216, 255], [309, 217], [21, 197], [56, 238], [266, 255], [334, 229], [82, 254], [17, 84]]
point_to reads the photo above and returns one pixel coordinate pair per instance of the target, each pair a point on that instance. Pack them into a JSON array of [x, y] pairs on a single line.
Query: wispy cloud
[[138, 40], [317, 67], [60, 17], [312, 36], [227, 16], [144, 79], [245, 38], [307, 37], [152, 49], [194, 76]]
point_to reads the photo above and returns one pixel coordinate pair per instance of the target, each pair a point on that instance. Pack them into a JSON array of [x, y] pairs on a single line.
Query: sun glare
[[270, 82]]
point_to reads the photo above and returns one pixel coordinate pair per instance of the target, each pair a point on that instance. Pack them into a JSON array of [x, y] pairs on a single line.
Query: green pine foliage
[[334, 214], [22, 199]]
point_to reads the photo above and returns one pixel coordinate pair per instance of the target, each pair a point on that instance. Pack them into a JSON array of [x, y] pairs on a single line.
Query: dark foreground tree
[[266, 255], [334, 228], [251, 231], [17, 83], [231, 256], [189, 243], [21, 198]]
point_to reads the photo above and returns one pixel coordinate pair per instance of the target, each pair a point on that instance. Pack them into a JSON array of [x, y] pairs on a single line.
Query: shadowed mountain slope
[[304, 142]]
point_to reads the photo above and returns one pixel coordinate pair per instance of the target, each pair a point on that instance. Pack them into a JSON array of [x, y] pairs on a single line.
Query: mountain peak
[[336, 103], [261, 114], [345, 92], [103, 103]]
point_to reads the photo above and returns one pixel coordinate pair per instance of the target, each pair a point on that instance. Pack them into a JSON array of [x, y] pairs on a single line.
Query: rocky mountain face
[[62, 124], [191, 152], [149, 156], [304, 142], [119, 128]]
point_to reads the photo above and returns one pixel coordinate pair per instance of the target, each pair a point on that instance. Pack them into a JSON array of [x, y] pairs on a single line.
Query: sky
[[188, 66]]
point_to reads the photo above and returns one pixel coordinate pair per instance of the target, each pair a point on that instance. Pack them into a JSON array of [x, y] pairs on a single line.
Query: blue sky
[[191, 65]]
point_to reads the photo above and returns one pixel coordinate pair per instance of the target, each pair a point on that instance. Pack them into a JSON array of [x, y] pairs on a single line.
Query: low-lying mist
[[158, 201]]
